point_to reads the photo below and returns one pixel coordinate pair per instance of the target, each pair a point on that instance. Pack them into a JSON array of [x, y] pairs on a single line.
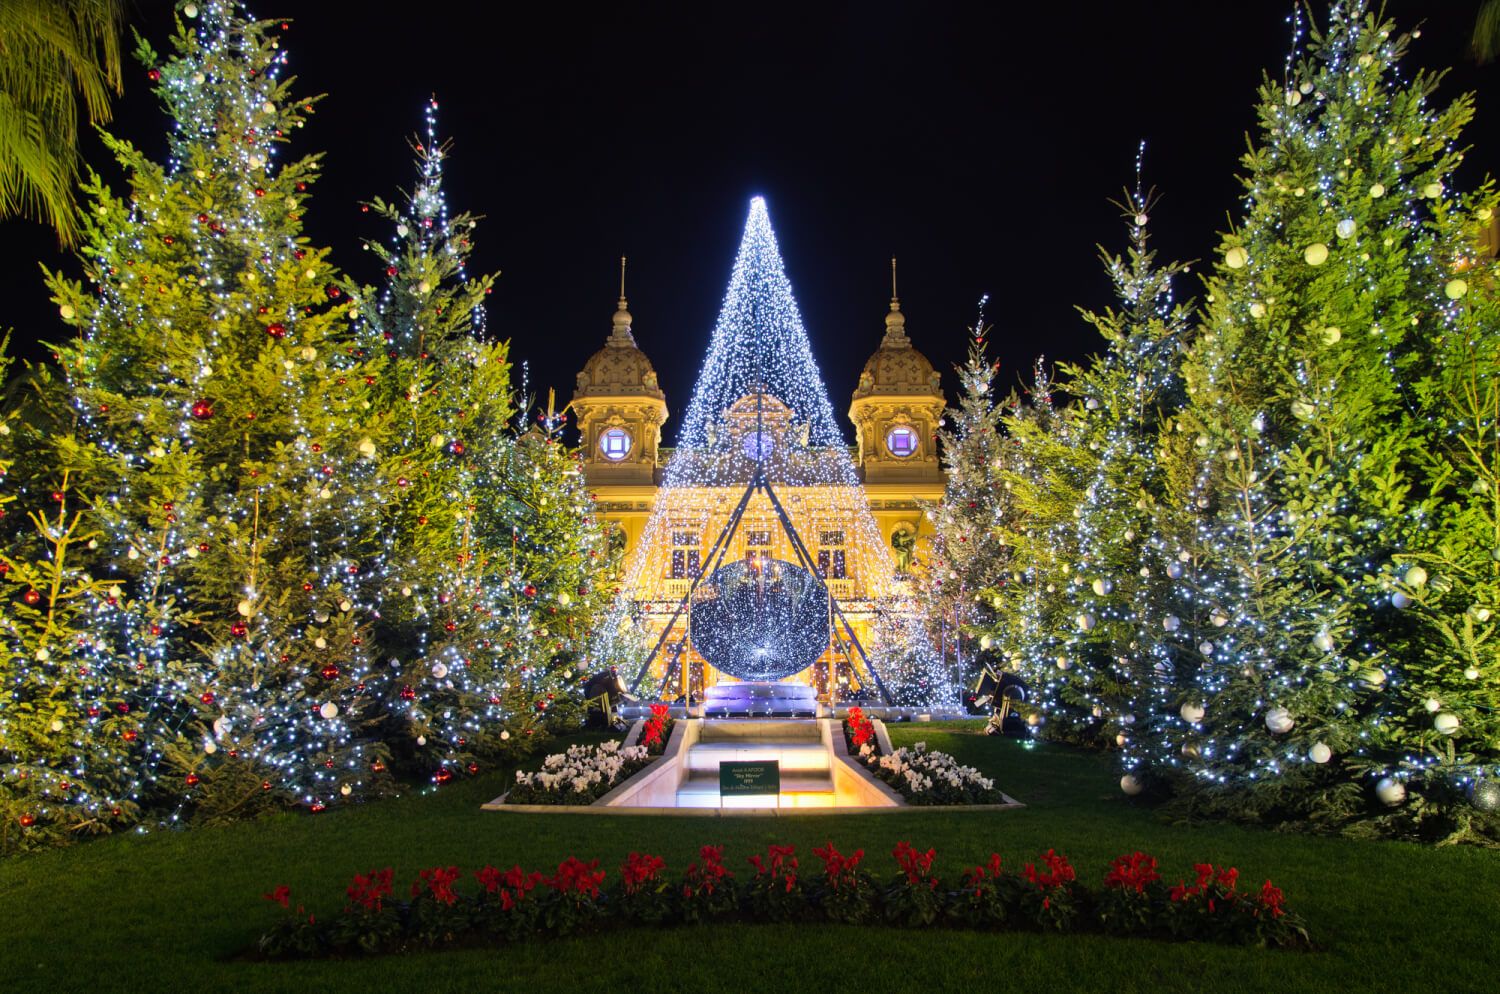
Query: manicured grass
[[165, 912]]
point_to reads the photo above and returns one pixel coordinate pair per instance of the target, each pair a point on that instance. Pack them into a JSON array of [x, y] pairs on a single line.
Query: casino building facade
[[621, 410]]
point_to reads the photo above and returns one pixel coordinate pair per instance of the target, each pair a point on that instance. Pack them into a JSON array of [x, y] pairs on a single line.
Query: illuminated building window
[[614, 444], [758, 445], [901, 441], [758, 544], [685, 555], [832, 564]]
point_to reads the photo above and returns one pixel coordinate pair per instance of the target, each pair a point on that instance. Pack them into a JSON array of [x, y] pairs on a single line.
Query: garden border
[[658, 768]]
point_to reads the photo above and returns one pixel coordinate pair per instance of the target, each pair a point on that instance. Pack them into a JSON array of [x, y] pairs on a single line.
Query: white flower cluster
[[582, 767], [922, 770]]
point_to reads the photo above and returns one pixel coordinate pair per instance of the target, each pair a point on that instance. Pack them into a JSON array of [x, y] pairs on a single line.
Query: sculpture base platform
[[760, 700]]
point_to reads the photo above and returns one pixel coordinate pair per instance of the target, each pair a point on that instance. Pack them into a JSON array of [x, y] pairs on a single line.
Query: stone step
[[793, 756], [701, 790], [741, 729]]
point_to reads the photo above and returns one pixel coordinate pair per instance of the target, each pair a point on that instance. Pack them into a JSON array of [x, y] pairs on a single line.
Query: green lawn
[[164, 912]]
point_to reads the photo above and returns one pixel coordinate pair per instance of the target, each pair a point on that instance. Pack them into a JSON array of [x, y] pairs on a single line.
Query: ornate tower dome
[[620, 369], [620, 407], [896, 368], [897, 406]]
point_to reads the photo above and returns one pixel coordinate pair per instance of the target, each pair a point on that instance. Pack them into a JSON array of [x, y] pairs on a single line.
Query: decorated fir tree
[[229, 447], [553, 580], [447, 395], [966, 557], [1043, 472], [1304, 431], [67, 732], [494, 557], [1121, 642]]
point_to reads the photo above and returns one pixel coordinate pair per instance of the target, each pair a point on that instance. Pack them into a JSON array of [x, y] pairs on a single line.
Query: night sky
[[979, 143]]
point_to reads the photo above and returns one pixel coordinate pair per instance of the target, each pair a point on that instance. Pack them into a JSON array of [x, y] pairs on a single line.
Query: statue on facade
[[905, 544]]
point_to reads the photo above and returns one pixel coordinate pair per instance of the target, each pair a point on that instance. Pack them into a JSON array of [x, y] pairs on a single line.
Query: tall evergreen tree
[[1118, 638], [448, 394], [965, 556], [228, 442], [1306, 424]]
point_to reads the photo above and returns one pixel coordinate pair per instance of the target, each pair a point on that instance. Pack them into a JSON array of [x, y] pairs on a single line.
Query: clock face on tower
[[614, 444], [901, 441]]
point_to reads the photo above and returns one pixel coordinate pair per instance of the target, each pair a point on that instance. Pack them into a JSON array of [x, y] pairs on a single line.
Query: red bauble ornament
[[473, 768], [442, 776], [329, 672], [207, 697], [27, 820], [192, 780], [259, 192], [276, 329], [529, 590], [408, 694], [31, 597], [333, 292], [202, 409], [129, 735], [153, 74], [317, 806], [239, 629], [265, 785]]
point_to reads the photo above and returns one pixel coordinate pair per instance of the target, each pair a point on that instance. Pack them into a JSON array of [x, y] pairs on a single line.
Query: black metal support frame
[[715, 559]]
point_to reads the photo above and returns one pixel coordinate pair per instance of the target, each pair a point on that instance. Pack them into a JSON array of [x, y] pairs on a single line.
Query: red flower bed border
[[513, 905]]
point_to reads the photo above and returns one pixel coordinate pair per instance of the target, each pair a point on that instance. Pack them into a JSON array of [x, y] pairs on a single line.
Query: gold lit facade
[[896, 408]]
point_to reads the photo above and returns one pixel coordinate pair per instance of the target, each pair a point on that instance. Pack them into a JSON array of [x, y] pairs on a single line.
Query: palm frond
[[56, 57], [1487, 32]]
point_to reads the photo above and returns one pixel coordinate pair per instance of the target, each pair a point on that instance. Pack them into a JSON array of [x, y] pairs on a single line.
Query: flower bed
[[514, 905], [924, 777], [581, 775], [657, 730]]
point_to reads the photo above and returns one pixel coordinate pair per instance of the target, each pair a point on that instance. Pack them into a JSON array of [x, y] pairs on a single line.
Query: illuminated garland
[[760, 346]]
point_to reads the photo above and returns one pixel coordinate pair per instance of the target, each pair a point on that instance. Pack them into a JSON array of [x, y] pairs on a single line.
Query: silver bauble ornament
[[1390, 791], [1485, 795]]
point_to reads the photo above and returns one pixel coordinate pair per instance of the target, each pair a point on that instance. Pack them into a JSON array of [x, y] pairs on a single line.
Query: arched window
[[901, 441], [614, 444]]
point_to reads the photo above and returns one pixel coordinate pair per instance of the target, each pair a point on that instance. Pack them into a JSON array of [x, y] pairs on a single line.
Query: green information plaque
[[737, 777]]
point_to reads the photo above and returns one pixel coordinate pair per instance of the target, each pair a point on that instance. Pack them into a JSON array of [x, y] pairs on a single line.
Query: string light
[[760, 405]]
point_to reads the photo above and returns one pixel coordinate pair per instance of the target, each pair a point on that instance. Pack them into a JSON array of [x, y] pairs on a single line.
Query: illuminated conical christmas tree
[[761, 413]]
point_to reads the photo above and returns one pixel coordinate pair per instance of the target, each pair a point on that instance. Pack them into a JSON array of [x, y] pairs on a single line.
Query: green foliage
[[270, 532], [1257, 553], [57, 55]]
